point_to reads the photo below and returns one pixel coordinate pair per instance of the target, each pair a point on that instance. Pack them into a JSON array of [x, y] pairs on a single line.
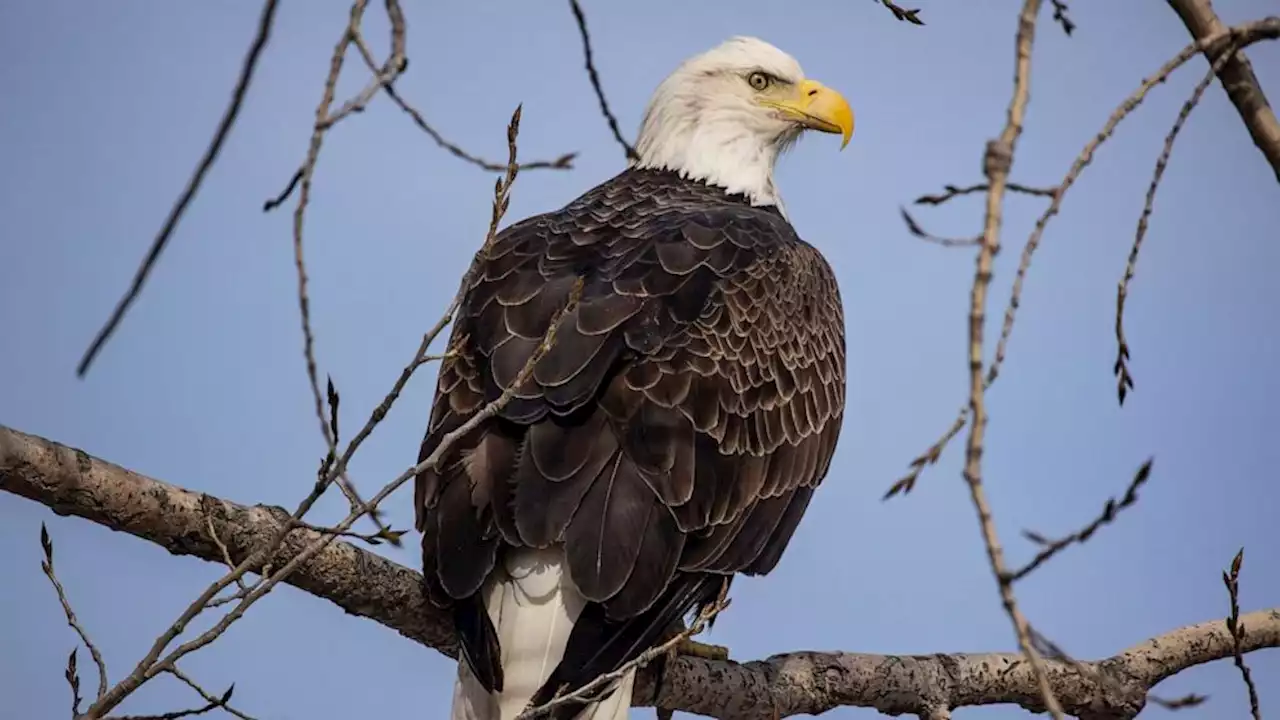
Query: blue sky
[[109, 105]]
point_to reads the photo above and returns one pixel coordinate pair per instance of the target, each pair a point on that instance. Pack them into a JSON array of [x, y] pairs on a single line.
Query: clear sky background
[[107, 106]]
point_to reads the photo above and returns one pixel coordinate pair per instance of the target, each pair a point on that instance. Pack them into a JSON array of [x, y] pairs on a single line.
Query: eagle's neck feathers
[[717, 146]]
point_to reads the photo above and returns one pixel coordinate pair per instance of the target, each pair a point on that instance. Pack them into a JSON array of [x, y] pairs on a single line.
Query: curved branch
[[71, 482]]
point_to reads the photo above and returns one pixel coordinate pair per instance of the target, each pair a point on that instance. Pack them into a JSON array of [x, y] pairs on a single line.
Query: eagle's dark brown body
[[672, 436]]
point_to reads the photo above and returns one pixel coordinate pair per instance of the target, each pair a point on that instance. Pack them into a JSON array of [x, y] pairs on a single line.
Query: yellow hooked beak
[[817, 106]]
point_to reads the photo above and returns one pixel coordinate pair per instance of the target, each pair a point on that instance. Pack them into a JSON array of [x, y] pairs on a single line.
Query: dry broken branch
[[996, 166], [384, 77], [321, 126], [71, 482], [590, 67], [223, 701], [46, 546]]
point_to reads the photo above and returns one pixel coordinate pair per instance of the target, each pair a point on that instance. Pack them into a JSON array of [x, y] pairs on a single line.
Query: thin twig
[[1124, 378], [223, 701], [501, 201], [392, 536], [590, 65], [46, 544], [1108, 515], [1236, 628], [564, 162], [222, 547], [73, 679], [901, 13], [1060, 10], [996, 166], [1245, 34], [161, 240], [323, 121], [396, 63], [951, 191], [914, 228]]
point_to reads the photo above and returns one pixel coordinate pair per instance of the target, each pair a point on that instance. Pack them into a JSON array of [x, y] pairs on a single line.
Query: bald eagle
[[675, 431]]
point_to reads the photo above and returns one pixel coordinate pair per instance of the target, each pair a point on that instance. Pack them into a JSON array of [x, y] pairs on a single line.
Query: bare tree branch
[[193, 185], [1060, 11], [996, 165], [1107, 516], [590, 67], [914, 228], [901, 13], [384, 77], [1237, 79], [1236, 627], [222, 700], [71, 482], [46, 546], [1124, 377], [322, 124], [1244, 35], [951, 191]]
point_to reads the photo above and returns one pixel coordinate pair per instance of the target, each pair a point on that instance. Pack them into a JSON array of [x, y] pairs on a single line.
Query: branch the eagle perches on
[[72, 482]]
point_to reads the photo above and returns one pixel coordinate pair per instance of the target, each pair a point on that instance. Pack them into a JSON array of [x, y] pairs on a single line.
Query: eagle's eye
[[759, 81]]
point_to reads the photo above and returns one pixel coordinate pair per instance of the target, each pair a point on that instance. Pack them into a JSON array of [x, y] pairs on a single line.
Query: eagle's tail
[[533, 606]]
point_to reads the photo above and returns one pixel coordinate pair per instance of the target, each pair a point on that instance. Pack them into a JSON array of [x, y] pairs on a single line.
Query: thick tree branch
[[71, 482], [1237, 79]]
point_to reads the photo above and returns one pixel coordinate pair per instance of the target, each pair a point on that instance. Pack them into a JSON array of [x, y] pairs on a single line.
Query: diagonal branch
[[1124, 376], [193, 185], [71, 482], [1237, 79]]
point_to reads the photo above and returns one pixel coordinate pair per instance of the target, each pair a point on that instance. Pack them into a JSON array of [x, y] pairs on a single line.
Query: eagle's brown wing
[[672, 435]]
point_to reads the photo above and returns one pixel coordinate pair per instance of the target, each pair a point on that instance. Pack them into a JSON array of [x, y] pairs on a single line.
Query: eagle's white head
[[724, 117]]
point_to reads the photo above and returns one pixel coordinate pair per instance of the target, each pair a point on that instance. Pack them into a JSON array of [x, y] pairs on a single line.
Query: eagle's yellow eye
[[759, 81]]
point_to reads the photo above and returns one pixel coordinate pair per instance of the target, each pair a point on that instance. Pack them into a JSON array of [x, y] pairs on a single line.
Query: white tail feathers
[[533, 604]]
